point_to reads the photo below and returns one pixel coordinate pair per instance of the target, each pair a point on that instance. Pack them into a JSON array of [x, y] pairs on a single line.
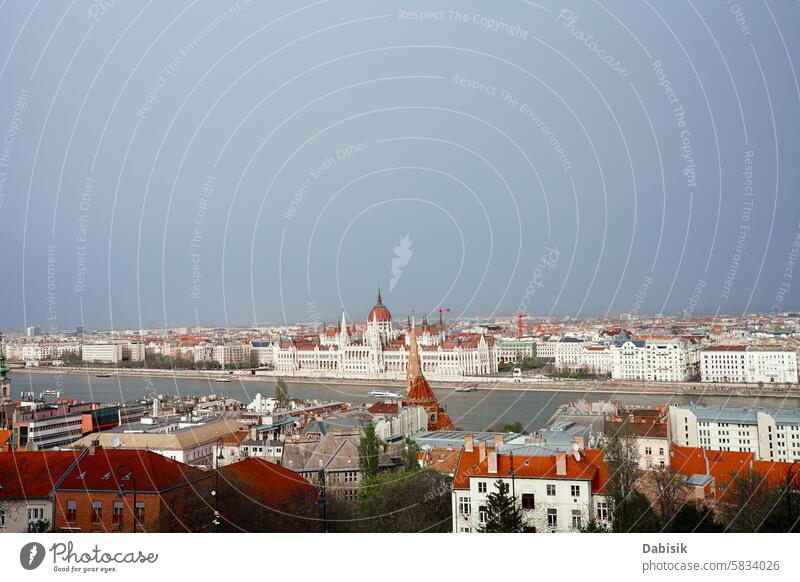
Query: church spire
[[380, 302]]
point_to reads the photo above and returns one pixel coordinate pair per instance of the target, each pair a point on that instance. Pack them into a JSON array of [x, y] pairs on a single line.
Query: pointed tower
[[419, 393], [344, 336]]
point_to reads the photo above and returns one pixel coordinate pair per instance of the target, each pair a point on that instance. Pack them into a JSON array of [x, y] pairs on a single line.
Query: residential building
[[771, 435], [568, 353], [132, 490], [557, 493], [27, 487], [104, 353], [723, 363]]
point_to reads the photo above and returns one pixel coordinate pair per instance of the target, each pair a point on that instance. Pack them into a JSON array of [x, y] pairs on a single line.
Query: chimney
[[469, 443], [481, 451], [492, 463], [561, 465], [498, 440]]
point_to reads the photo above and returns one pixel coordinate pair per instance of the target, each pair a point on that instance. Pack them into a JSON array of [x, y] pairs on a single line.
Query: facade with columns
[[381, 349]]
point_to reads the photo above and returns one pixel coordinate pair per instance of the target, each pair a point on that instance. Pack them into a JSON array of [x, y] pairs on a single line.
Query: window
[[139, 512], [552, 518], [464, 505], [661, 450], [648, 450], [602, 511], [72, 510], [551, 489], [2, 518], [576, 519], [575, 490], [527, 501], [117, 516], [97, 511], [482, 487], [483, 513], [35, 513]]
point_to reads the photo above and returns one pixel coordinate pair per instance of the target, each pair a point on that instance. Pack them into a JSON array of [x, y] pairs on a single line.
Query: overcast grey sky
[[218, 162]]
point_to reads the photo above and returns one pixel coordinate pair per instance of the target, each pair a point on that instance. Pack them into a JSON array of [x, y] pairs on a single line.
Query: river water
[[478, 410]]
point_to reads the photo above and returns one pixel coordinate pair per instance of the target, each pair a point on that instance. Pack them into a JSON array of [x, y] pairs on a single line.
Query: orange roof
[[4, 436], [590, 467], [723, 465]]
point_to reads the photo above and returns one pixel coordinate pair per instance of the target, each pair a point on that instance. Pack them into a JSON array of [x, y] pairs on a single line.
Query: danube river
[[477, 410]]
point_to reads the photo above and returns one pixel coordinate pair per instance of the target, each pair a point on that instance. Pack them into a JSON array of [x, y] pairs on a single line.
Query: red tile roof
[[266, 482], [590, 467], [107, 469], [34, 473], [723, 465]]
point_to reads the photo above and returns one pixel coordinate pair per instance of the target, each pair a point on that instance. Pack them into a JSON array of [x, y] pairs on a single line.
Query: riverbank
[[474, 384]]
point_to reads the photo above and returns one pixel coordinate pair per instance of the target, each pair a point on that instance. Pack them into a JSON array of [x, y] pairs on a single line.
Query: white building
[[671, 360], [723, 364], [46, 352], [628, 360], [568, 353], [106, 353], [771, 365], [751, 364], [546, 348], [655, 360], [596, 359], [773, 435], [558, 493], [231, 354], [382, 350]]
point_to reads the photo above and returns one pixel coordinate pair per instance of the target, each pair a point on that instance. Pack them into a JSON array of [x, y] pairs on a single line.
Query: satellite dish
[[115, 442]]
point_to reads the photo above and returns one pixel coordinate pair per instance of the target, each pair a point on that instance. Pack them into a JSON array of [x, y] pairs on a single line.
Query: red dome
[[380, 312]]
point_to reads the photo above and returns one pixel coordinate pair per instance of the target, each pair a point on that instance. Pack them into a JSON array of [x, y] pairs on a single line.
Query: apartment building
[[232, 354], [772, 435], [556, 493], [751, 364], [104, 353], [46, 352], [655, 360], [568, 353], [723, 364]]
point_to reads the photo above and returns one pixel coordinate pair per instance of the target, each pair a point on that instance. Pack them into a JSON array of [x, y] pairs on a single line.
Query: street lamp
[[217, 457], [132, 476]]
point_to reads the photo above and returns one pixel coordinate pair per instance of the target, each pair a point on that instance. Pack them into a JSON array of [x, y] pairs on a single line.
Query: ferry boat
[[464, 389], [224, 380], [103, 375], [50, 392], [384, 394]]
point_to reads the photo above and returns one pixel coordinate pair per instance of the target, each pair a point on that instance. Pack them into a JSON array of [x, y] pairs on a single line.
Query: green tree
[[282, 393], [368, 451], [502, 511]]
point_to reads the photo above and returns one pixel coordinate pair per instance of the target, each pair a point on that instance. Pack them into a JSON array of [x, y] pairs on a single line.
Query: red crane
[[520, 317]]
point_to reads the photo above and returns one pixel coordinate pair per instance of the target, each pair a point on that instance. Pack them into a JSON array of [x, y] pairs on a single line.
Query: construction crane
[[520, 325]]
